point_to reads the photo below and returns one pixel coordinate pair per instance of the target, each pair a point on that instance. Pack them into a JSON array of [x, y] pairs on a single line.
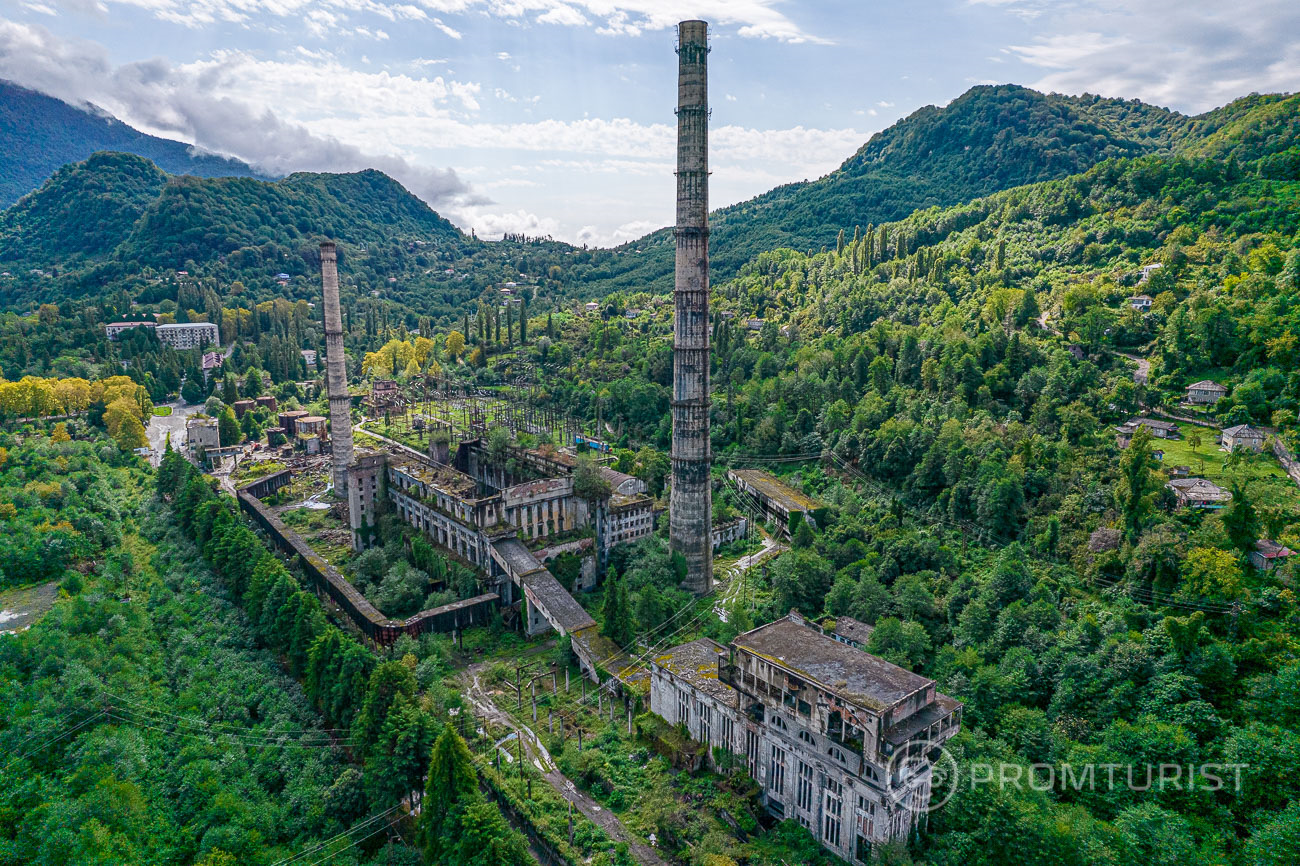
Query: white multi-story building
[[190, 335], [822, 726], [115, 329]]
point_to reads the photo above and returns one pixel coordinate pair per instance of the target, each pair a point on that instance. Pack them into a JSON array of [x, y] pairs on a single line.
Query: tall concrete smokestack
[[336, 373], [690, 505]]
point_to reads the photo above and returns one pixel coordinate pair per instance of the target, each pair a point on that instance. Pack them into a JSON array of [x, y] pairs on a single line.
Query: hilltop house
[[1148, 270], [1198, 493], [1268, 555], [1242, 436], [1205, 392], [1159, 429], [1141, 303]]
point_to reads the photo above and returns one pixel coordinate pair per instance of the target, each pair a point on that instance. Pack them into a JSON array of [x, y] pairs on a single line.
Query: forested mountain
[[990, 138], [981, 513], [93, 226], [117, 221], [39, 134], [946, 383]]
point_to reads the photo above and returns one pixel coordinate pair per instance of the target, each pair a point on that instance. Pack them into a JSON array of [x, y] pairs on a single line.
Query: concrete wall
[[327, 580]]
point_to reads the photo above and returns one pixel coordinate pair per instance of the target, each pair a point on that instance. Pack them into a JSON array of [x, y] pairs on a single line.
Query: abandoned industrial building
[[821, 725], [504, 514], [777, 503]]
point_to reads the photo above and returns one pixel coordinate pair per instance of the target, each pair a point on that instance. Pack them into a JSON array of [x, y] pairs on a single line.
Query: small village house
[[1242, 436], [1199, 493], [1159, 430], [1205, 393], [1268, 555]]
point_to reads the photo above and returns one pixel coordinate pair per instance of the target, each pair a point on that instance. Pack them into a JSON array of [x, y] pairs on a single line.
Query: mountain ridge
[[40, 134], [989, 139]]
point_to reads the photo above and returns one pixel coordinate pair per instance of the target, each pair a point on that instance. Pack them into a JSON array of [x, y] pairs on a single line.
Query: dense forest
[[946, 381], [949, 384], [138, 226], [39, 134]]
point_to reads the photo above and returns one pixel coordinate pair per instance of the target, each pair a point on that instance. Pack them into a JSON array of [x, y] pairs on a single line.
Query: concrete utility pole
[[336, 373], [690, 504]]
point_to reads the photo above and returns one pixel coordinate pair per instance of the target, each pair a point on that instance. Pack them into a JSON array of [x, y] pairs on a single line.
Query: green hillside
[[40, 134], [988, 139], [979, 512], [82, 212]]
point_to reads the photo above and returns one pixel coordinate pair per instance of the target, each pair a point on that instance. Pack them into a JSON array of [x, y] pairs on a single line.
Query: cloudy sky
[[555, 116]]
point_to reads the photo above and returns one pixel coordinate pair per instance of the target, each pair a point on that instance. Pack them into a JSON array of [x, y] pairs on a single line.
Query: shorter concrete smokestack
[[336, 373]]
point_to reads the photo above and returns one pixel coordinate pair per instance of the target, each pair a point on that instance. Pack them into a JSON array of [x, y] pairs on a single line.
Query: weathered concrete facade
[[336, 374], [690, 504], [366, 480], [824, 728], [503, 530]]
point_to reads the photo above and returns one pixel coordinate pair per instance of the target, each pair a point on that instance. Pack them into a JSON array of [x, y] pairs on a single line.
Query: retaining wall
[[327, 579]]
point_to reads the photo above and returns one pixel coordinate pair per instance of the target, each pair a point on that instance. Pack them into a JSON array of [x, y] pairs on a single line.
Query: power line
[[54, 740], [131, 717], [336, 837], [206, 723], [50, 724]]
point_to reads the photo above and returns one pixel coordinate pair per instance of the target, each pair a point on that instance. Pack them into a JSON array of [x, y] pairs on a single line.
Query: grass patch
[[253, 470], [325, 534], [162, 411], [1260, 474]]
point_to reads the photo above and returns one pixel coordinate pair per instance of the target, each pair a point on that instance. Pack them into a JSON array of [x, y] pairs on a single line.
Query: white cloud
[[565, 16], [491, 225], [302, 109], [760, 19], [447, 29], [1191, 55], [186, 103], [629, 231]]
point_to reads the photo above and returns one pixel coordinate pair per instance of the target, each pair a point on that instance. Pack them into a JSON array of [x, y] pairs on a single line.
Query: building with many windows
[[838, 739], [115, 329], [501, 513], [190, 335]]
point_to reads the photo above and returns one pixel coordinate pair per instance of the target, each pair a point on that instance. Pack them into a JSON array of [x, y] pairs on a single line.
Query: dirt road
[[485, 708]]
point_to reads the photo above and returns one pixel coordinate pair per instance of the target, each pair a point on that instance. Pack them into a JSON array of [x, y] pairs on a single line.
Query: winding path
[[1143, 372], [733, 586], [485, 708]]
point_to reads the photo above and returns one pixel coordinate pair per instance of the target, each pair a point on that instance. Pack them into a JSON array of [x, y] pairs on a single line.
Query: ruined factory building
[[838, 739], [780, 504]]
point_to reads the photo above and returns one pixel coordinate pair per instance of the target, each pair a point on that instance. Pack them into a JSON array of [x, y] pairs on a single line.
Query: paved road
[[161, 425], [485, 708]]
